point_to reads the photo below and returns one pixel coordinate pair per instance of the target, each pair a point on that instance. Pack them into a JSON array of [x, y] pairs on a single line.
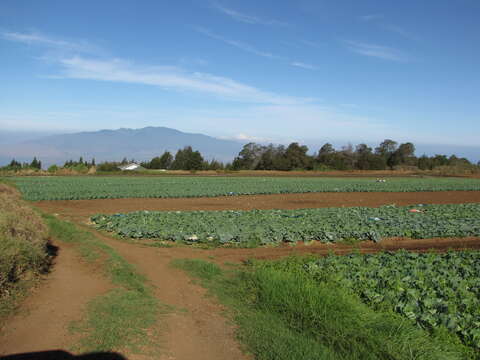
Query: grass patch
[[201, 269], [122, 318], [287, 315]]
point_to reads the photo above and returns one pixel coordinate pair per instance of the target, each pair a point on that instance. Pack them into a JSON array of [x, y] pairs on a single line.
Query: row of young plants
[[98, 187], [436, 291], [260, 227]]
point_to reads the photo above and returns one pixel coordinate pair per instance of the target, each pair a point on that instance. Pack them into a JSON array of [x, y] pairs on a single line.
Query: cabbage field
[[274, 226], [433, 290], [109, 187]]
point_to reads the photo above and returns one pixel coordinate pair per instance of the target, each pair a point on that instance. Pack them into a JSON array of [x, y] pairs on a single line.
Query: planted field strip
[[96, 187], [434, 290], [274, 226]]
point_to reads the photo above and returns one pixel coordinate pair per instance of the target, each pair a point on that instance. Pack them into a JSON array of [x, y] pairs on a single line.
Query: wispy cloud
[[248, 19], [399, 30], [75, 66], [303, 65], [380, 20], [378, 51], [167, 77], [238, 44], [50, 42], [371, 17]]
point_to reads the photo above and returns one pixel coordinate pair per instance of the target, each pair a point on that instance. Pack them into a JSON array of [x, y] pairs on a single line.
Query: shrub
[[53, 169]]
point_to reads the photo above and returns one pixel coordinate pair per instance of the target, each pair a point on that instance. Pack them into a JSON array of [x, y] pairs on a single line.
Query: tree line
[[15, 165], [387, 155]]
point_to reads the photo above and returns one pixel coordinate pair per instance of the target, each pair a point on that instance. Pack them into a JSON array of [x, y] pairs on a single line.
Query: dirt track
[[85, 208], [195, 327], [45, 316]]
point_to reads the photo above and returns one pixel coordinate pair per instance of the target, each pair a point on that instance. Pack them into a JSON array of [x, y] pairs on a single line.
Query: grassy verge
[[24, 250], [122, 318], [287, 315]]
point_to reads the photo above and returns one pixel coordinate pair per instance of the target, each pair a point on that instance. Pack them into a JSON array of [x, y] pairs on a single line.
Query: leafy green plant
[[261, 227], [104, 187], [436, 291]]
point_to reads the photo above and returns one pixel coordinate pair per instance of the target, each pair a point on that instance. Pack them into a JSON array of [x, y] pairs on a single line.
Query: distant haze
[[146, 143]]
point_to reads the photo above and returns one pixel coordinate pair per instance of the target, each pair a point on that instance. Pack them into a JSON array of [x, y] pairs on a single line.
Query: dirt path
[[85, 208], [196, 328], [43, 319]]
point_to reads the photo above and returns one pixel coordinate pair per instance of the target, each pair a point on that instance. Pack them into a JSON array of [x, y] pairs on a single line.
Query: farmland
[[97, 187], [384, 305], [263, 227]]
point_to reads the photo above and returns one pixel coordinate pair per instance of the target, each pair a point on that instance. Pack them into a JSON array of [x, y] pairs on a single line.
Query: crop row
[[96, 187], [434, 290], [274, 226]]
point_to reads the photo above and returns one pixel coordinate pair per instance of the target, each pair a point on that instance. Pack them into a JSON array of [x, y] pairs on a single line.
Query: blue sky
[[358, 71]]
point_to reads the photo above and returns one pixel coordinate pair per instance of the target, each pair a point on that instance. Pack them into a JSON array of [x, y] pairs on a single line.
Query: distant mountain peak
[[107, 144]]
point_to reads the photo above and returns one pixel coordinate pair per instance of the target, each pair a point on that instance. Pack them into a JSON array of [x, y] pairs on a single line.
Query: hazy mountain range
[[144, 144], [138, 144]]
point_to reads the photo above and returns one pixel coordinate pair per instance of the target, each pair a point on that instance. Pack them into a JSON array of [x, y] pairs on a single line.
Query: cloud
[[372, 17], [169, 77], [303, 65], [378, 51], [248, 19], [46, 41], [399, 30], [389, 27], [76, 66], [238, 44], [246, 138]]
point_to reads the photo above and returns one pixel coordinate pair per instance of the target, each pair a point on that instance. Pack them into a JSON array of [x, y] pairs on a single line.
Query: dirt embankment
[[86, 208]]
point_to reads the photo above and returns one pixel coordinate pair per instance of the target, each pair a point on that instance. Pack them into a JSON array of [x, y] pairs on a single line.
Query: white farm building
[[131, 167]]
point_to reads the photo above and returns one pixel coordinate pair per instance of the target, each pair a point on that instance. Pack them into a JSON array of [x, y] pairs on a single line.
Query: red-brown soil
[[43, 319], [222, 255], [86, 208]]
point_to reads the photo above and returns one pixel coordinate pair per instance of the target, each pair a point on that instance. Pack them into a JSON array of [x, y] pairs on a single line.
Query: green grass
[[100, 187], [287, 315], [123, 317]]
